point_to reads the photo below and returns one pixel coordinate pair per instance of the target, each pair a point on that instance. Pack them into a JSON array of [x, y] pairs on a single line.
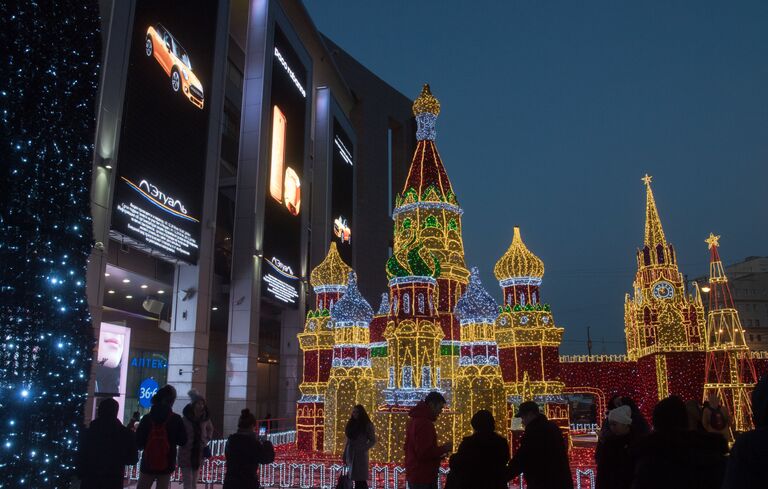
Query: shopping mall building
[[234, 142]]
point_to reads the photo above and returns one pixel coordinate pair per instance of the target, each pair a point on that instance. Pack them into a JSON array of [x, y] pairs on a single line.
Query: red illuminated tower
[[730, 373]]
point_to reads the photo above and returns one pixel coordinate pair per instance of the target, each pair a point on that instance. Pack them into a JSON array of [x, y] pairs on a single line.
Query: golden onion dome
[[518, 262], [331, 271], [426, 103]]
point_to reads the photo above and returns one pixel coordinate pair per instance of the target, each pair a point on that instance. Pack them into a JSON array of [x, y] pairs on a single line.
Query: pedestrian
[[134, 421], [640, 425], [158, 434], [672, 456], [748, 463], [244, 452], [715, 417], [615, 467], [106, 447], [604, 433], [361, 436], [693, 410], [543, 455], [481, 460], [422, 453], [199, 429]]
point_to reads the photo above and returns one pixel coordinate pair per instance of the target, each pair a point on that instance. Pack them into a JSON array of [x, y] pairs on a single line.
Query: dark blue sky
[[553, 111]]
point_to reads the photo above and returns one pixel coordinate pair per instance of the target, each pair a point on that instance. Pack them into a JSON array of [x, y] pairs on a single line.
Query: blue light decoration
[[476, 311], [147, 389], [352, 309], [47, 113]]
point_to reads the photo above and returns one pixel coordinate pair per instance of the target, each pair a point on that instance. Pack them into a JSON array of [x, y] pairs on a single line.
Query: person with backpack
[[244, 452], [422, 453], [715, 417], [199, 428], [106, 447], [158, 434]]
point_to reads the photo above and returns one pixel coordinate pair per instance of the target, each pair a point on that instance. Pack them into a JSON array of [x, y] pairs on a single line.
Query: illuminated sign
[[280, 281], [290, 72], [161, 158], [342, 189], [147, 390], [111, 369]]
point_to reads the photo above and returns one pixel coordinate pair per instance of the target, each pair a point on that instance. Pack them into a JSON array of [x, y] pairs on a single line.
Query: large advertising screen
[[111, 369], [342, 191], [285, 193], [161, 159]]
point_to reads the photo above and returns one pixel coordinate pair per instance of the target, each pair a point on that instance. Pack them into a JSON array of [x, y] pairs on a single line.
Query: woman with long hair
[[361, 436]]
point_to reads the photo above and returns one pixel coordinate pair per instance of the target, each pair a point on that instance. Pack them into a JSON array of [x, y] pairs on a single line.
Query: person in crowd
[[605, 432], [748, 463], [693, 410], [640, 425], [542, 455], [361, 437], [615, 467], [134, 421], [244, 452], [199, 429], [158, 434], [673, 457], [715, 417], [422, 453], [480, 462], [106, 447]]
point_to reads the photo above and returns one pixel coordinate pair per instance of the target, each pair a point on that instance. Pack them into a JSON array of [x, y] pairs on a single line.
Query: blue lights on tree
[[47, 110]]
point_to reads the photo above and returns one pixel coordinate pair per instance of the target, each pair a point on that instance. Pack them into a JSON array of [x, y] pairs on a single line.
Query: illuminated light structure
[[527, 336], [351, 377], [479, 383], [730, 373], [663, 326], [329, 282]]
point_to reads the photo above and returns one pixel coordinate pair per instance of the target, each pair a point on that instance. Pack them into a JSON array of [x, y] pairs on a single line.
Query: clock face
[[663, 290]]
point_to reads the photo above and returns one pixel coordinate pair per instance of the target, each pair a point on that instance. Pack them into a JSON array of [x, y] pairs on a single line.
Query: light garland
[[50, 83]]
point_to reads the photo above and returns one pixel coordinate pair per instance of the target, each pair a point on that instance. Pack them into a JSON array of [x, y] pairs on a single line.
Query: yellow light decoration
[[426, 103], [331, 271], [518, 261]]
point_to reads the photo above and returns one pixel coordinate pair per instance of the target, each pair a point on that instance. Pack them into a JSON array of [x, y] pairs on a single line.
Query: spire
[[716, 272], [476, 305], [654, 234], [426, 108]]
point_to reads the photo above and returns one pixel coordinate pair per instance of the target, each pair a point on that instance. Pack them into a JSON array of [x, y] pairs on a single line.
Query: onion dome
[[331, 272], [417, 262], [518, 265], [476, 305], [426, 103], [352, 308]]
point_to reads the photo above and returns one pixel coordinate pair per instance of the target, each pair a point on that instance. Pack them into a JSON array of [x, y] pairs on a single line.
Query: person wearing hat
[[106, 447], [481, 459], [615, 467], [422, 453], [543, 455], [748, 463], [199, 428]]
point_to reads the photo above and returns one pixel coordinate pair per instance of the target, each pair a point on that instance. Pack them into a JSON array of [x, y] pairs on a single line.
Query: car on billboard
[[342, 230], [174, 60]]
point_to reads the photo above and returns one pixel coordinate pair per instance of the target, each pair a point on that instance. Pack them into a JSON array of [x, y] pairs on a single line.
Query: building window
[[407, 381], [426, 377], [751, 338], [757, 323], [749, 323], [391, 383], [759, 338]]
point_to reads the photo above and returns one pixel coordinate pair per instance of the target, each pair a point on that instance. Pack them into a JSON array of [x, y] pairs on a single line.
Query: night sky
[[553, 111]]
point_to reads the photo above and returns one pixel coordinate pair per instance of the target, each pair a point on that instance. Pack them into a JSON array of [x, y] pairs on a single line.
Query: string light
[[47, 115]]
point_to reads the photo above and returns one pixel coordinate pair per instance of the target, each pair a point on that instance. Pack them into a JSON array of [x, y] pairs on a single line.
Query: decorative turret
[[730, 373], [663, 325], [329, 281], [519, 273], [351, 380], [479, 383]]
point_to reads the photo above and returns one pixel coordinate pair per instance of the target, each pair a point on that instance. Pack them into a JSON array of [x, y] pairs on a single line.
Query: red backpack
[[157, 450]]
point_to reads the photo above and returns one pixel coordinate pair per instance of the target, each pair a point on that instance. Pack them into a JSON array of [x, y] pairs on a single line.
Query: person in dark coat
[[672, 457], [748, 463], [158, 460], [422, 453], [361, 437], [244, 452], [106, 447], [481, 459], [542, 456], [615, 467]]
